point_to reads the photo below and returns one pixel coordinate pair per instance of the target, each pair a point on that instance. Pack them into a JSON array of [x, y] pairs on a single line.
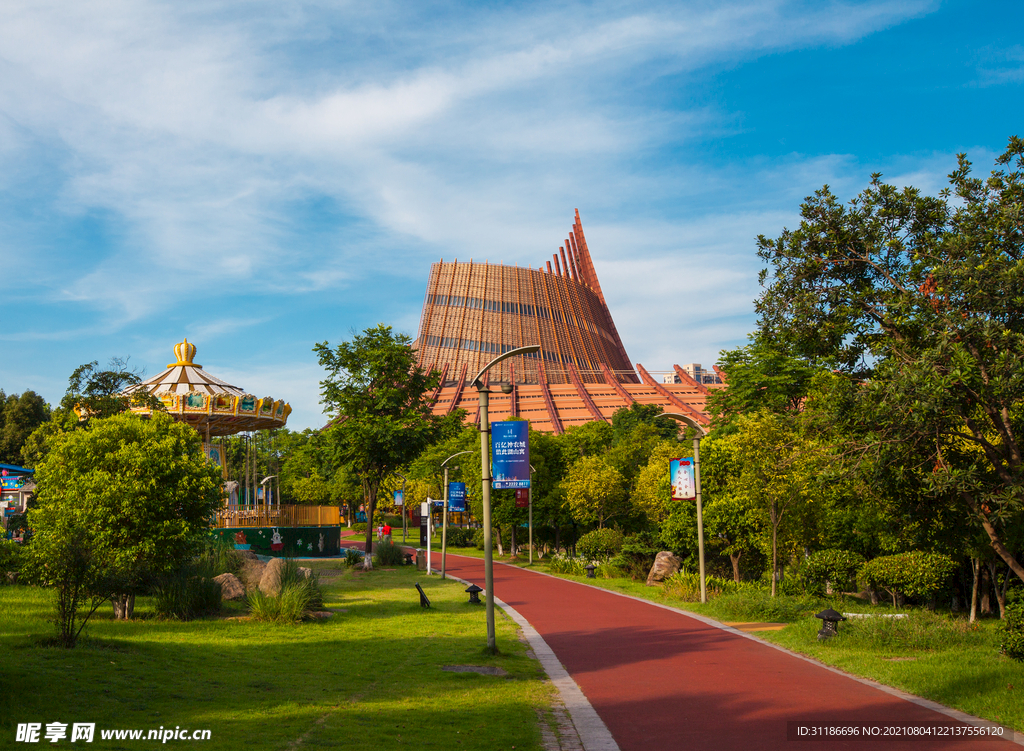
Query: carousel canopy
[[214, 407]]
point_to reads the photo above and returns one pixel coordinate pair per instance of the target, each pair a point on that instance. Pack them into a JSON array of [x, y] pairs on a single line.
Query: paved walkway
[[664, 680]]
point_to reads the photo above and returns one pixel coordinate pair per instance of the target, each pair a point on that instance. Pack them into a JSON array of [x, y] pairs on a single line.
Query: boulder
[[252, 573], [270, 583], [230, 587], [665, 564], [305, 572]]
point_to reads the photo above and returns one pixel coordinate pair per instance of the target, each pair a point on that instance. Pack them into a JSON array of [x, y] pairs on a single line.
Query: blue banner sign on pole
[[680, 475], [510, 449], [457, 496], [399, 498]]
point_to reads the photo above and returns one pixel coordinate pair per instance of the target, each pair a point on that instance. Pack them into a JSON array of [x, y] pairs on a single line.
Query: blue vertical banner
[[680, 475], [457, 496], [510, 451], [399, 498]]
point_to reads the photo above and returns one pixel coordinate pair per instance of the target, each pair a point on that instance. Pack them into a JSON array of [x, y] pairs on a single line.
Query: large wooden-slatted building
[[474, 312]]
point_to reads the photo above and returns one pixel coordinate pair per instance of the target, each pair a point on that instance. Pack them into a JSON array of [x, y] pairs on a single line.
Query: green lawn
[[369, 677]]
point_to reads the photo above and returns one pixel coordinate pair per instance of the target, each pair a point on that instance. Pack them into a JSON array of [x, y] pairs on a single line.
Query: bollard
[[421, 559]]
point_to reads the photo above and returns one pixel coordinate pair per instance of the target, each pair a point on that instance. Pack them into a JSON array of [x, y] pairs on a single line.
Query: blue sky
[[261, 176]]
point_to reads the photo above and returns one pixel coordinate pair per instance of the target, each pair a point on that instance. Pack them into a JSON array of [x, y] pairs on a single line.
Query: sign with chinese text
[[510, 449], [399, 498], [523, 498], [680, 472], [456, 496]]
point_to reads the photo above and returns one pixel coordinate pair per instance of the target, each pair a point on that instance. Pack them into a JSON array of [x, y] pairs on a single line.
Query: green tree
[[922, 299], [380, 397], [133, 496], [626, 419], [93, 392], [20, 415], [595, 491], [762, 376]]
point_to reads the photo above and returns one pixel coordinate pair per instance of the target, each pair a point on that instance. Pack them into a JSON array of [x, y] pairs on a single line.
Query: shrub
[[686, 586], [916, 574], [299, 596], [600, 544], [636, 556], [478, 539], [353, 557], [1013, 638], [10, 559], [562, 564], [747, 603], [387, 554], [837, 568], [462, 538], [186, 595]]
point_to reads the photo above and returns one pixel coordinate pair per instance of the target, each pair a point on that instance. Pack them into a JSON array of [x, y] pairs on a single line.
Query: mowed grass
[[369, 677]]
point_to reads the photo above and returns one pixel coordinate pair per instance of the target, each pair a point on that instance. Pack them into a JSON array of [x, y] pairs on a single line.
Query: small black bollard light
[[408, 559], [591, 568], [424, 602], [830, 623], [474, 594]]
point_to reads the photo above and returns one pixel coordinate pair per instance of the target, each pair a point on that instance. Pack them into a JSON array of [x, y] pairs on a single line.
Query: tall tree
[[21, 414], [922, 298], [380, 397]]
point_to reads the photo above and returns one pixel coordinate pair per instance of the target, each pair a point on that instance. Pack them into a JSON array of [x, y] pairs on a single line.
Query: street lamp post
[[696, 483], [405, 519], [485, 483], [532, 470], [444, 527]]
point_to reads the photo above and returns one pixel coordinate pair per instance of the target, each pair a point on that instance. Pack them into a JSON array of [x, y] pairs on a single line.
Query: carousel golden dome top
[[185, 353]]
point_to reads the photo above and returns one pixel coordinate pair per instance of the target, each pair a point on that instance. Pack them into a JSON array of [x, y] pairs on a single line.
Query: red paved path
[[663, 681]]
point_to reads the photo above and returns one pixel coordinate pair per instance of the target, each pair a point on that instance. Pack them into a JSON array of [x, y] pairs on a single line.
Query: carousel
[[217, 409]]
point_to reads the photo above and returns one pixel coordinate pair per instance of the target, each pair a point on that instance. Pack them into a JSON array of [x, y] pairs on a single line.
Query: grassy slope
[[366, 678]]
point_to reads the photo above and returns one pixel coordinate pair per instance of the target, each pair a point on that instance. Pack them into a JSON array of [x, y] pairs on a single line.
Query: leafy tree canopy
[[921, 299]]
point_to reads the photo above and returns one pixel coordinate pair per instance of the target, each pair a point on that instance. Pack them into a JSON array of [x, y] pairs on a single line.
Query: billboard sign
[[510, 449], [680, 473], [457, 496], [523, 498], [399, 498]]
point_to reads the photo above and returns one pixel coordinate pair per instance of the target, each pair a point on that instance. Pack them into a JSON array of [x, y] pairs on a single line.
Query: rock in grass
[[252, 573], [305, 572], [270, 583], [230, 587], [665, 564]]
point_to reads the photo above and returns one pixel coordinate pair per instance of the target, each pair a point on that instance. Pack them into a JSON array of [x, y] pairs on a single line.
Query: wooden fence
[[285, 516]]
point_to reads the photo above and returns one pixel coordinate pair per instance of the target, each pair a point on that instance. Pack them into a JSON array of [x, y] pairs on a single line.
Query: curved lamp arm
[[688, 420], [521, 351]]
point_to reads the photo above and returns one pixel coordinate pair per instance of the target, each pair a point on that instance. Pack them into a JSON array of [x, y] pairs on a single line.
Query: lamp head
[[506, 388]]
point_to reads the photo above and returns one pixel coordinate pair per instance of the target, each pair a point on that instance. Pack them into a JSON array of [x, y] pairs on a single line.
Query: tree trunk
[[993, 536], [1000, 591], [775, 547], [986, 599], [371, 501], [497, 533], [976, 569], [558, 531], [124, 606], [735, 558], [512, 543]]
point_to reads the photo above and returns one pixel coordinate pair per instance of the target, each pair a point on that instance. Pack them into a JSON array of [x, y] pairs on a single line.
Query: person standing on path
[[387, 532]]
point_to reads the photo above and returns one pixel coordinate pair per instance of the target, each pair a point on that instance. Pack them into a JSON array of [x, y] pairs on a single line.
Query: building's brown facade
[[474, 312]]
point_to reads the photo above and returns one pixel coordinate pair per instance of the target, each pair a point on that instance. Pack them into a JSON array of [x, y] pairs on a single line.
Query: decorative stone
[[270, 583], [665, 564], [252, 573], [230, 587], [306, 572]]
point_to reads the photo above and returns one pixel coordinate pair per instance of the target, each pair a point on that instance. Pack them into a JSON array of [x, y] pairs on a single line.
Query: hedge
[[916, 574], [835, 567], [599, 545]]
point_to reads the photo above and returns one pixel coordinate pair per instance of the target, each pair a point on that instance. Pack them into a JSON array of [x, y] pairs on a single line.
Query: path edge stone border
[[956, 714], [594, 734]]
